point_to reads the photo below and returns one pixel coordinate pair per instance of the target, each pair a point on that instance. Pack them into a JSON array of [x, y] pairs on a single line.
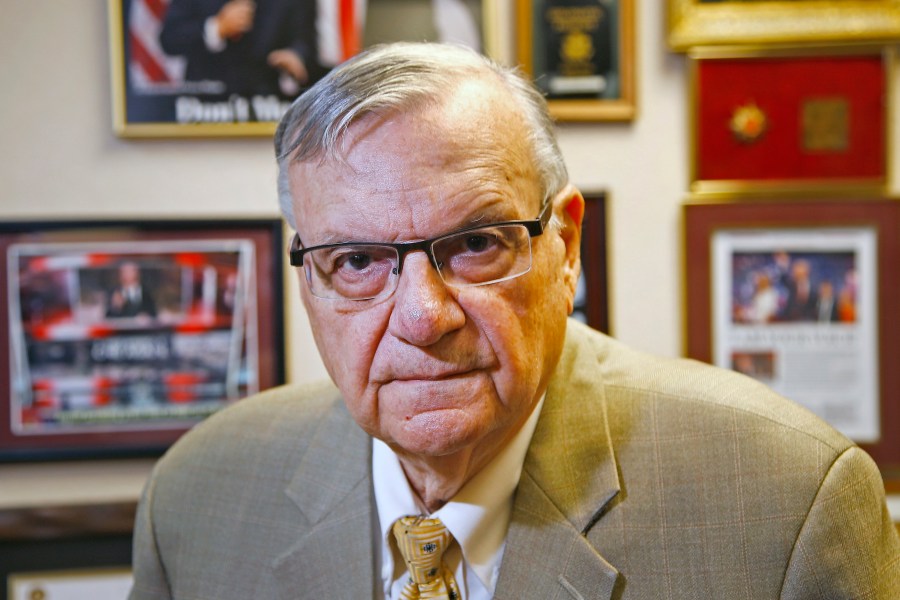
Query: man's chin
[[436, 433]]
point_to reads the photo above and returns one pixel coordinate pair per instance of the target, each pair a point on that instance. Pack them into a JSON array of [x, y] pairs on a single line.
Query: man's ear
[[571, 203]]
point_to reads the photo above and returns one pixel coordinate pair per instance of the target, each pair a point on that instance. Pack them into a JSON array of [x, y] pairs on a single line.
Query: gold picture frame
[[693, 23], [618, 102]]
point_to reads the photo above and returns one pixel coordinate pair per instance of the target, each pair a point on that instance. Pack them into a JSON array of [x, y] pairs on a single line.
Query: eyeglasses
[[466, 258]]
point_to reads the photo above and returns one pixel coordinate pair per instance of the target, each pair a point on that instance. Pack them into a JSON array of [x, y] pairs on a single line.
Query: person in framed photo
[[130, 297], [473, 441], [246, 46]]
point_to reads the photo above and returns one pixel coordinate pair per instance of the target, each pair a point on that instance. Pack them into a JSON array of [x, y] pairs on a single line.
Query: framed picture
[[175, 73], [591, 297], [581, 55], [119, 336], [710, 22], [800, 295], [97, 584], [81, 551], [790, 120], [182, 68]]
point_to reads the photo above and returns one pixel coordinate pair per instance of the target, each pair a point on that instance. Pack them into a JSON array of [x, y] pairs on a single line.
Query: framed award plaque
[[581, 55]]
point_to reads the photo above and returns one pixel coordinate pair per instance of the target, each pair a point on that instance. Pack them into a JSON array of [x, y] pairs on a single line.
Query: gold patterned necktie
[[422, 543]]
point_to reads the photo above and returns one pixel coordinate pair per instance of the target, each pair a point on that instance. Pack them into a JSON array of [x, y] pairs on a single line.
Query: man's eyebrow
[[495, 212], [492, 213]]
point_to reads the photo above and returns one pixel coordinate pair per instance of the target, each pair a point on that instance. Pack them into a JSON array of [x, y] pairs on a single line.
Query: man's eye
[[478, 242], [357, 261]]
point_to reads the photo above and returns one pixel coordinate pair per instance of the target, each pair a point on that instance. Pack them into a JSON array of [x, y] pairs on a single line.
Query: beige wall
[[59, 158]]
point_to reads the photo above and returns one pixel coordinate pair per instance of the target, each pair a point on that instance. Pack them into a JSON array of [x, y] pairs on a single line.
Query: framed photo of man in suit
[[208, 67], [184, 68]]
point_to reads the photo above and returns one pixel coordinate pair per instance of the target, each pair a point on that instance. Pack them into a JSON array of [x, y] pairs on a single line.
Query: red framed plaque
[[790, 120]]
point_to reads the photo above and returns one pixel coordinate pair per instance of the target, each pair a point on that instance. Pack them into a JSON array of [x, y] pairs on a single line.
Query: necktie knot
[[422, 543]]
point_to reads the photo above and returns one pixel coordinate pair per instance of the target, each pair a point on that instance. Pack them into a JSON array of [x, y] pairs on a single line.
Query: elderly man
[[474, 443]]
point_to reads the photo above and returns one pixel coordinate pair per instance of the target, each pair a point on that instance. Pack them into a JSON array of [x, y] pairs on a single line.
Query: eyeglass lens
[[475, 257]]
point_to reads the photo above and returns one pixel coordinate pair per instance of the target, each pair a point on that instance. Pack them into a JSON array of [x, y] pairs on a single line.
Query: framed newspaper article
[[800, 295], [581, 54], [119, 336], [790, 120], [710, 22]]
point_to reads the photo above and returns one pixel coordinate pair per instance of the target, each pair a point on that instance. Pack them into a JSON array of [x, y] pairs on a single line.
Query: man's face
[[435, 370], [129, 274]]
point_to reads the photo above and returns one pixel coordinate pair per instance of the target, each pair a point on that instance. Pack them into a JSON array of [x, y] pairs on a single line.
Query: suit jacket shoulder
[[675, 479], [235, 501]]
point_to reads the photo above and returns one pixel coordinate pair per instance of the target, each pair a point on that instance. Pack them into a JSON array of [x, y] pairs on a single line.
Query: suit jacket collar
[[332, 488], [568, 480]]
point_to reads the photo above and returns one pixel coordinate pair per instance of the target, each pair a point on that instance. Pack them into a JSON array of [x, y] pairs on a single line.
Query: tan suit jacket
[[646, 478]]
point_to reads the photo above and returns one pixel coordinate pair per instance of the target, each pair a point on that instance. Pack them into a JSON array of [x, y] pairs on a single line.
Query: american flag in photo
[[150, 68]]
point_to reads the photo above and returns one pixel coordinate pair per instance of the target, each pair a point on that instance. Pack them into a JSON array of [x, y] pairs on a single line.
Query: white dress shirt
[[477, 516]]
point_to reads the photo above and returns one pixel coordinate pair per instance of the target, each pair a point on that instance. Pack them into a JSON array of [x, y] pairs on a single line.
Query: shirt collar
[[477, 516]]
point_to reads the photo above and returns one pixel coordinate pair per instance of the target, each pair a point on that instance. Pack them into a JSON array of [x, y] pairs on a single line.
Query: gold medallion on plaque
[[748, 123], [37, 594], [826, 124], [577, 47]]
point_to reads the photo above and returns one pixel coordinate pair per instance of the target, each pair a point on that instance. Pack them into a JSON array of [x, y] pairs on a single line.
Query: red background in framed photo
[[779, 86], [701, 221]]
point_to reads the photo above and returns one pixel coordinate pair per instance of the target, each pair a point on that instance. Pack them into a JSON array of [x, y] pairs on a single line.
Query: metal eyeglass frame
[[535, 227]]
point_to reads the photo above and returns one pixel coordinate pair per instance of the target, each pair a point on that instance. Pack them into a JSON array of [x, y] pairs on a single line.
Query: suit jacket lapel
[[332, 488], [568, 479]]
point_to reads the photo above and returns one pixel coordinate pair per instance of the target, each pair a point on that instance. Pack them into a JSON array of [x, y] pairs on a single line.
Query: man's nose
[[424, 308]]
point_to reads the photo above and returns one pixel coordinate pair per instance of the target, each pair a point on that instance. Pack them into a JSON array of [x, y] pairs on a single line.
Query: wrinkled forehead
[[471, 147]]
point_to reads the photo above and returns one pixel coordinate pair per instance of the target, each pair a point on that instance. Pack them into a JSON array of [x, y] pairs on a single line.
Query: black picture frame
[[592, 298]]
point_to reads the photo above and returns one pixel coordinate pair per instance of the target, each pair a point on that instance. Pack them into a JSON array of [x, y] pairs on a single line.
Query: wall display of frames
[[800, 295], [119, 336], [790, 120], [581, 54], [710, 22], [174, 77]]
